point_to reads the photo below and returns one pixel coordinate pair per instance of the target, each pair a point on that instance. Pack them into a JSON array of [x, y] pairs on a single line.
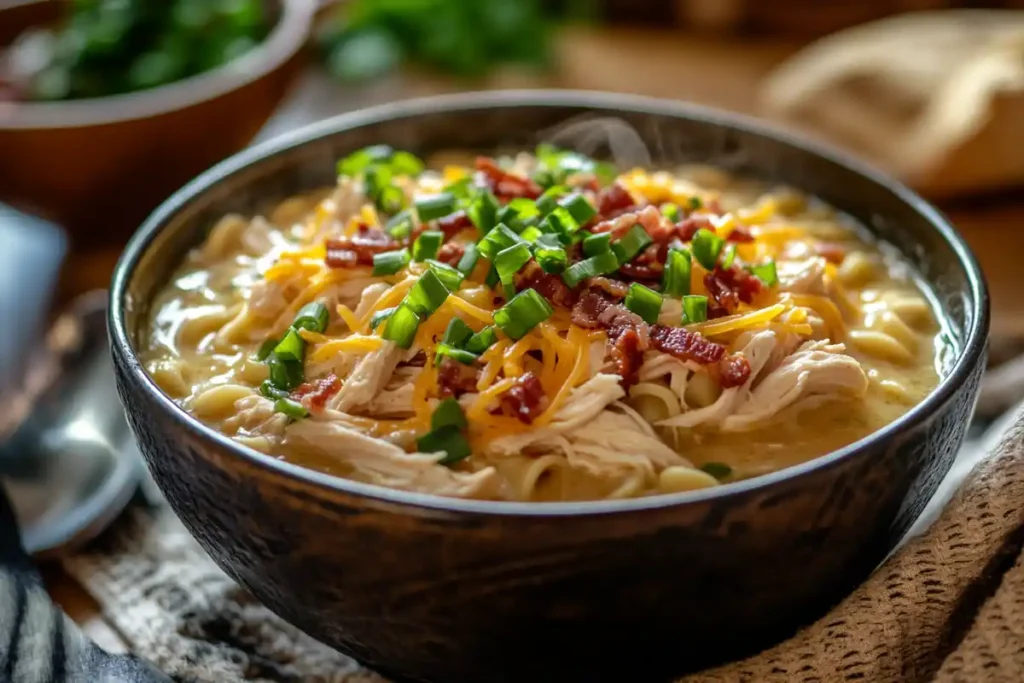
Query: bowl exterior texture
[[426, 592]]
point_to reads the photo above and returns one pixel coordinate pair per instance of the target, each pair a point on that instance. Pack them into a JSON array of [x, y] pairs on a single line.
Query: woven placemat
[[949, 606]]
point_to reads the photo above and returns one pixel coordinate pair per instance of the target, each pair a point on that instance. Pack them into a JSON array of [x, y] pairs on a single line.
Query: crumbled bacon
[[733, 370], [614, 200], [688, 227], [720, 293], [833, 252], [317, 392], [524, 399], [451, 253], [346, 252], [551, 287], [685, 345], [452, 224], [614, 288], [627, 352], [503, 184], [649, 218], [589, 307], [727, 287], [455, 378], [648, 264], [740, 234]]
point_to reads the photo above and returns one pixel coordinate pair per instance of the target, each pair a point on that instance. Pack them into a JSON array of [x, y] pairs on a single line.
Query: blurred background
[[108, 106]]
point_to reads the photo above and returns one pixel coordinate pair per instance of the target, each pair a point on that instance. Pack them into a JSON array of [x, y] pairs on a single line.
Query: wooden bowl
[[99, 166], [427, 588]]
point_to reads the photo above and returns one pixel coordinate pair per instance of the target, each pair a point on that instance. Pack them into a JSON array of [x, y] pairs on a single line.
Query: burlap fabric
[[949, 606]]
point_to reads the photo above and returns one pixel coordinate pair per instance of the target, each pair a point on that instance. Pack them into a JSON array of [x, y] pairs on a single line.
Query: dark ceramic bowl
[[434, 589]]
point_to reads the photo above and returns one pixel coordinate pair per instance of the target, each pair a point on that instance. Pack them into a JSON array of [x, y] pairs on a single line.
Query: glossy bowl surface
[[434, 589], [99, 166]]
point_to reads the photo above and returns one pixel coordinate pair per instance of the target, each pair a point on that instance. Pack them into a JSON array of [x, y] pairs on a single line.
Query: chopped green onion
[[601, 264], [284, 374], [406, 163], [435, 206], [427, 295], [706, 247], [380, 316], [501, 237], [543, 177], [389, 199], [671, 212], [676, 279], [390, 262], [597, 244], [468, 261], [427, 245], [482, 340], [563, 163], [631, 244], [578, 207], [448, 413], [549, 241], [291, 348], [523, 207], [360, 160], [718, 470], [695, 308], [514, 220], [695, 203], [448, 440], [268, 389], [449, 277], [509, 261], [313, 316], [522, 313], [766, 273], [548, 201], [645, 302], [483, 211], [461, 189], [457, 333], [729, 256], [561, 222], [292, 409], [400, 225], [532, 234], [266, 348], [448, 351], [552, 259], [402, 325], [377, 179], [492, 279]]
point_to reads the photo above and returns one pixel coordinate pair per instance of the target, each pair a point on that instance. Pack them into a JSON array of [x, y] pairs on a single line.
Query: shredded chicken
[[386, 464], [255, 415], [370, 375], [803, 277]]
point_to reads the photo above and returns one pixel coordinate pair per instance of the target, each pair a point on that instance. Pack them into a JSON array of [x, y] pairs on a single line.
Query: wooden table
[[715, 72]]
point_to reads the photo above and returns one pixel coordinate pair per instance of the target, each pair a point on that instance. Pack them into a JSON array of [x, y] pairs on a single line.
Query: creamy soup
[[543, 327]]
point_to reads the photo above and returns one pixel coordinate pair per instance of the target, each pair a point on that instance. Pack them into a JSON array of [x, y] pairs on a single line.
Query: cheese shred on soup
[[543, 327]]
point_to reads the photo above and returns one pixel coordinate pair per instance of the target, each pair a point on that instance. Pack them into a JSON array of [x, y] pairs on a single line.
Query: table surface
[[718, 72]]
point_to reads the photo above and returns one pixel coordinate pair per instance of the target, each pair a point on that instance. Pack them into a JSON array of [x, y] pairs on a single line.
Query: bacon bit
[[588, 309], [688, 227], [648, 265], [713, 206], [524, 399], [648, 217], [627, 351], [451, 253], [455, 378], [740, 235], [614, 200], [452, 224], [614, 288], [317, 392], [727, 287], [551, 287], [345, 252], [503, 184], [733, 370], [833, 252], [685, 345]]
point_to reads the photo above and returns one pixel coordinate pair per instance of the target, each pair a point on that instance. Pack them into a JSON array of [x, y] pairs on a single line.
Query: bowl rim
[[970, 354], [285, 40]]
